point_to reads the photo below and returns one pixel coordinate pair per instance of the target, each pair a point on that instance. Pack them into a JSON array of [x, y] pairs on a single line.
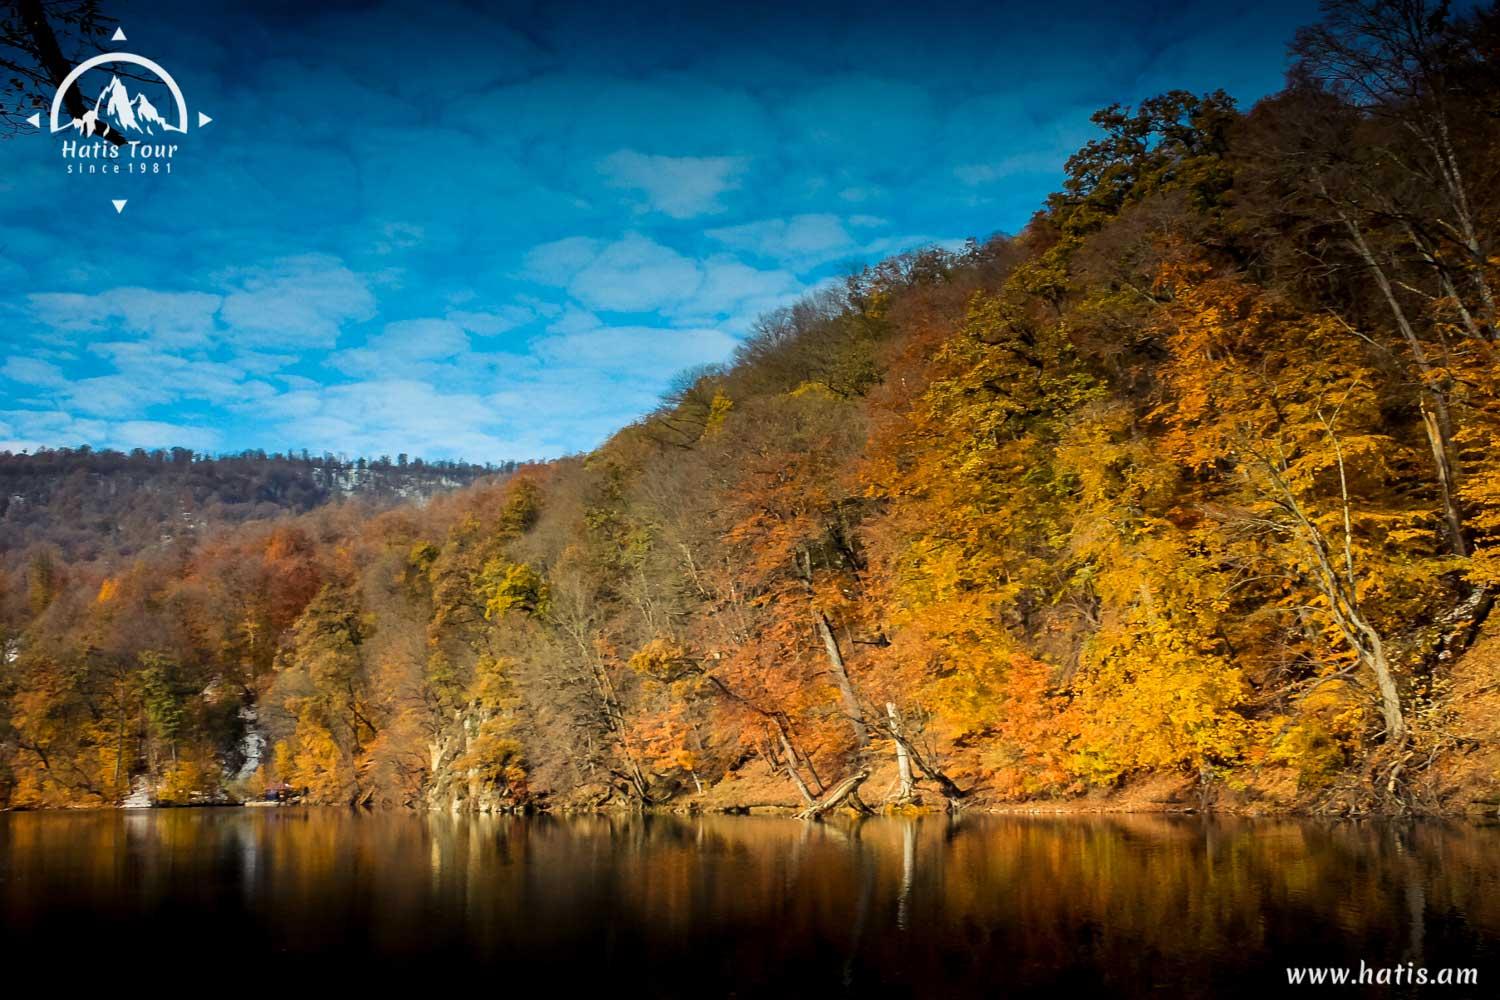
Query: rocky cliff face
[[465, 776]]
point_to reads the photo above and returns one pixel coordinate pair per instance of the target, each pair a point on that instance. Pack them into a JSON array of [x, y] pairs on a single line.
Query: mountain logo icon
[[115, 109]]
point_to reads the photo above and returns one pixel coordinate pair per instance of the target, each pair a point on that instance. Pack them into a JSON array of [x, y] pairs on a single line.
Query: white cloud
[[654, 352], [574, 320], [562, 409], [635, 274], [1043, 162], [172, 319], [678, 186], [28, 430], [555, 263], [860, 193], [295, 302], [159, 434], [30, 371], [259, 353], [115, 395], [392, 415], [803, 242], [397, 236], [737, 292], [799, 242], [632, 274], [146, 375], [31, 429], [412, 348], [406, 342], [259, 363], [489, 324], [576, 383]]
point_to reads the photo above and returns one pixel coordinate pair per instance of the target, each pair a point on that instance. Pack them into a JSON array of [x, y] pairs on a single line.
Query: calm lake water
[[742, 906]]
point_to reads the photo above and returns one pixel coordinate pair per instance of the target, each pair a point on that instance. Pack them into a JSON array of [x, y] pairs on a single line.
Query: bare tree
[[1334, 571], [1391, 60], [40, 41]]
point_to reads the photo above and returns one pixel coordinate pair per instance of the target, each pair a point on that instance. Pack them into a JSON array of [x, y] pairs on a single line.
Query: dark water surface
[[271, 898]]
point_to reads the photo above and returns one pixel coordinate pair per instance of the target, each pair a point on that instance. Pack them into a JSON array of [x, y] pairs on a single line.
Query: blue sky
[[496, 231]]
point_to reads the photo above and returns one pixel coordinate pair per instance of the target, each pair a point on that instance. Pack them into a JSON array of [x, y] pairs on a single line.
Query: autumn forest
[[1185, 495]]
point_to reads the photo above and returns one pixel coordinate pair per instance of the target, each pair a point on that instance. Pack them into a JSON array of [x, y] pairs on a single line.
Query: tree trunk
[[903, 756], [1458, 198], [1437, 440], [905, 747], [1341, 592], [49, 56], [835, 657], [1440, 426], [848, 789], [1445, 279], [1385, 681], [614, 717], [778, 721], [791, 767], [841, 678], [949, 787]]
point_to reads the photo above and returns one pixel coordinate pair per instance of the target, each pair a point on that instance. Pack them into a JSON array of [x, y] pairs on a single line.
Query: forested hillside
[[1193, 481], [82, 504]]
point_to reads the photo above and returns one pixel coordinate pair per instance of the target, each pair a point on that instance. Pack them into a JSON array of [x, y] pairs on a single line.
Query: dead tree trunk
[[791, 767], [1438, 423], [895, 728], [614, 716], [949, 788], [846, 790], [841, 678], [778, 721], [836, 663], [903, 756], [1438, 440], [1341, 591]]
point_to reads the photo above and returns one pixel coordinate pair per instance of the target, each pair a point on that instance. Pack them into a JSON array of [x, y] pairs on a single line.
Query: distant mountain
[[102, 504]]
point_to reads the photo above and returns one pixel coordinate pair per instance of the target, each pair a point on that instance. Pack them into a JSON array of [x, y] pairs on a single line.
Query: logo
[[120, 116]]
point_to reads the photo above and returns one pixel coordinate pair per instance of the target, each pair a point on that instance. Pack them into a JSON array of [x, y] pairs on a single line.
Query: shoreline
[[1061, 809]]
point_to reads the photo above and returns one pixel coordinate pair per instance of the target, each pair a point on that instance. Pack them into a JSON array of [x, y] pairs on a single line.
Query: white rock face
[[139, 797], [252, 746]]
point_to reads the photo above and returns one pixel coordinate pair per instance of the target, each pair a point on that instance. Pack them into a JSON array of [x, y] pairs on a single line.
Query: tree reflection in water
[[705, 906]]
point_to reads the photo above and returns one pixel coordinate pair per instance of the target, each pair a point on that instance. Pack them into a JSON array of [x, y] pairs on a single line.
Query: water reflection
[[710, 906]]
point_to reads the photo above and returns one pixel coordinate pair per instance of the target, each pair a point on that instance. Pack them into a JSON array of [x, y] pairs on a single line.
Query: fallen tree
[[845, 791]]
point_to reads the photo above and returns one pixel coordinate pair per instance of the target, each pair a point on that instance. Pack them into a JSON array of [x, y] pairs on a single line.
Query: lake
[[719, 906]]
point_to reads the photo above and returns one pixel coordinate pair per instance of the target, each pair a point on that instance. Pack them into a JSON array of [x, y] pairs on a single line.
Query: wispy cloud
[[174, 319], [27, 430], [634, 274], [300, 301], [32, 371], [681, 187], [800, 241]]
